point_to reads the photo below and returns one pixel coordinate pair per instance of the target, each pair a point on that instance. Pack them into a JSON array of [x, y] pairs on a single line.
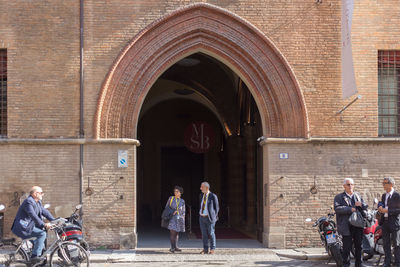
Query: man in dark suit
[[29, 223], [345, 204], [209, 208], [390, 221]]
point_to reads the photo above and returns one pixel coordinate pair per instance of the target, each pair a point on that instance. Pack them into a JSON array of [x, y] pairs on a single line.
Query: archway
[[205, 29], [213, 31]]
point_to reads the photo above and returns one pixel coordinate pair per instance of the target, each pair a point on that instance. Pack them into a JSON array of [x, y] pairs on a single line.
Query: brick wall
[[330, 163], [43, 46], [53, 167], [42, 41], [109, 211]]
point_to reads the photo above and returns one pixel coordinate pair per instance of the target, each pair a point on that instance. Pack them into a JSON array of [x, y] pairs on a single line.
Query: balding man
[[29, 222], [209, 208]]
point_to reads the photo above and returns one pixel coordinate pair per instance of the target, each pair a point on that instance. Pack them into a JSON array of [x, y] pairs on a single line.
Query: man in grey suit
[[209, 208], [345, 204], [390, 221]]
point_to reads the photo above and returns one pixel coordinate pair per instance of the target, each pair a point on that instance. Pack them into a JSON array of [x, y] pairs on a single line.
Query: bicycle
[[62, 253]]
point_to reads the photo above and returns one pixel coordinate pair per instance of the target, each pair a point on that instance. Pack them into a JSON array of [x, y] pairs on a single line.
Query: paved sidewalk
[[192, 255]]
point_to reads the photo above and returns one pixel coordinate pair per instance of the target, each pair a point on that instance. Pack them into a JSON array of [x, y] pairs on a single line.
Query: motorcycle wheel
[[336, 255]]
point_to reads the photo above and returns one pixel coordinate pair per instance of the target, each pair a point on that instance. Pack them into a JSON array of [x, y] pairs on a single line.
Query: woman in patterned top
[[177, 222]]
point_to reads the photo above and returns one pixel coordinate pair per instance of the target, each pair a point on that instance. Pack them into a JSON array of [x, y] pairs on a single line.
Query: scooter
[[368, 241], [72, 230], [330, 239]]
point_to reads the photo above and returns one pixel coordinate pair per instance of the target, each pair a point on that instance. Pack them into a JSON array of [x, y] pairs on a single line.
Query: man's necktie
[[203, 205]]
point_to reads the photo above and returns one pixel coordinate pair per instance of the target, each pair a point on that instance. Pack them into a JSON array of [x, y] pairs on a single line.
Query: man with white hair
[[29, 222], [345, 204], [209, 208]]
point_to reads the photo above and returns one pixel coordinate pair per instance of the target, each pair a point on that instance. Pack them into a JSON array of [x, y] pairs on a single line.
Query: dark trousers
[[348, 240], [389, 238], [207, 232]]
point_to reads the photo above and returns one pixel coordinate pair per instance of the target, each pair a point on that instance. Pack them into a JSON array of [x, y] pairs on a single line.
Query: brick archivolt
[[216, 32]]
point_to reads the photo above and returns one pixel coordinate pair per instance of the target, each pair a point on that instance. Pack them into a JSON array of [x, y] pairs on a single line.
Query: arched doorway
[[209, 30], [199, 123]]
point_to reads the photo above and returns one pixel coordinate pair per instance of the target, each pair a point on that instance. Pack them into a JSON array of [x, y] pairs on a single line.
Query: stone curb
[[303, 256]]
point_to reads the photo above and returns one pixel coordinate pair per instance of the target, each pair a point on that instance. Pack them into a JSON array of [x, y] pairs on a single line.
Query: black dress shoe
[[172, 250], [178, 249]]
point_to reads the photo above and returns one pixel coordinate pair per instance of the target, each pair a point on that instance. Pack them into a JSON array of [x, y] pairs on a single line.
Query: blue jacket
[[29, 215], [212, 206]]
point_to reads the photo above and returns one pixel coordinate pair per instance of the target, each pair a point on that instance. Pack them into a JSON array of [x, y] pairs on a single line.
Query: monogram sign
[[199, 137]]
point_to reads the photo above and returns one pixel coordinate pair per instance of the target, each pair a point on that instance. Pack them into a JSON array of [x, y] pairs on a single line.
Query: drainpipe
[[81, 115]]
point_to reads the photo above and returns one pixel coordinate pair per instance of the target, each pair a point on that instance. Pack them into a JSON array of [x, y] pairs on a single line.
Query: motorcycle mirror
[[308, 220], [375, 200], [46, 206], [2, 207], [78, 207]]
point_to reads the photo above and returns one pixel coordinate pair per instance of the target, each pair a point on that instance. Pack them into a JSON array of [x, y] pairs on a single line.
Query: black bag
[[166, 216], [356, 218]]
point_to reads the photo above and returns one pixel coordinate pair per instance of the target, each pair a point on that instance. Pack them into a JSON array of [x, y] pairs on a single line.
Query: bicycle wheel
[[13, 257], [69, 254]]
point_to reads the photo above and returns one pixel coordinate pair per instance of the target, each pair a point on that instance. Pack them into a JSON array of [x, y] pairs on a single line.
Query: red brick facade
[[288, 54]]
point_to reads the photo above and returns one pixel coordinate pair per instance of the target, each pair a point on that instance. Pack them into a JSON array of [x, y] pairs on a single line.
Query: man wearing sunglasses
[[29, 222], [345, 204], [390, 221]]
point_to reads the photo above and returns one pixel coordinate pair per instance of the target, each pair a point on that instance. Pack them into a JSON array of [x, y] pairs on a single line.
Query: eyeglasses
[[40, 193], [350, 184], [385, 183], [177, 191]]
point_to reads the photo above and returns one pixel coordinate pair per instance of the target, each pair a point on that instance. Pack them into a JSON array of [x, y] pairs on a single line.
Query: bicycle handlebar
[[57, 223]]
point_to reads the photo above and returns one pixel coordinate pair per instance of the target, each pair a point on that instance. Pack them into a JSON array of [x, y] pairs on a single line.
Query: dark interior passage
[[198, 123]]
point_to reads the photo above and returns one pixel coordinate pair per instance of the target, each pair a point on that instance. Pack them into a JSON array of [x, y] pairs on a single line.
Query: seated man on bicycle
[[29, 221]]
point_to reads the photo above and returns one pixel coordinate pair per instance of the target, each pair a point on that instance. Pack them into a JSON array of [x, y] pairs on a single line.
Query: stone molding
[[68, 141]]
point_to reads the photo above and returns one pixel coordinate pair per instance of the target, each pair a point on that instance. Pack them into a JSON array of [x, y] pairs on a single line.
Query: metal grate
[[389, 92], [3, 93]]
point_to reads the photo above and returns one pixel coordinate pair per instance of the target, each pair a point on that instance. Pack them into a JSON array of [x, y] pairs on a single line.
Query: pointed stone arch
[[214, 31]]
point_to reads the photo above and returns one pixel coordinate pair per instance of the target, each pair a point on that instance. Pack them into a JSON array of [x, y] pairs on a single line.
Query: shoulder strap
[[357, 197]]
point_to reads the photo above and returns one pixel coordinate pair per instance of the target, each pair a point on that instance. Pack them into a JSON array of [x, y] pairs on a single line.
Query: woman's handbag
[[167, 215]]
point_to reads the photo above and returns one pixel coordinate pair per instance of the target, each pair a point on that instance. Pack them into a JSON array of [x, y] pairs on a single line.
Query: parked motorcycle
[[368, 241], [329, 237], [72, 230]]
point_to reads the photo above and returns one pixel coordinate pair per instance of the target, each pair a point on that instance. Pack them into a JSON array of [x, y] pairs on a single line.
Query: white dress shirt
[[386, 200]]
